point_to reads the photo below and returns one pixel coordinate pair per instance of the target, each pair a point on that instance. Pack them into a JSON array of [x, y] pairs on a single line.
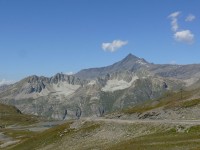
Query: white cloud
[[4, 81], [174, 22], [112, 47], [181, 35], [174, 14], [184, 36], [190, 18]]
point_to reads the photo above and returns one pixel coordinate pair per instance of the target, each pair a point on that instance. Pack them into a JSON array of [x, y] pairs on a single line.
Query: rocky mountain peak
[[57, 78], [131, 56], [70, 79], [129, 63], [132, 59]]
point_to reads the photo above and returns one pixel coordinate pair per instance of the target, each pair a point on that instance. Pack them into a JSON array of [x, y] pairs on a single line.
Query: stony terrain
[[108, 134]]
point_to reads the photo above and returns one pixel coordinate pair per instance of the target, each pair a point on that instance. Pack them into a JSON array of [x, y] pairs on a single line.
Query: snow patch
[[191, 81], [65, 88], [114, 85], [92, 82], [141, 62], [62, 88]]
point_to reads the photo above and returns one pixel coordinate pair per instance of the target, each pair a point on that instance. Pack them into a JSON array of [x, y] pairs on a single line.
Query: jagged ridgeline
[[96, 91]]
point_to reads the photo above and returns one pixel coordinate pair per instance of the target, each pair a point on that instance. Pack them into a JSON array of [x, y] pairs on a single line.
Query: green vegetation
[[44, 138], [18, 134], [54, 135], [168, 100], [170, 139], [157, 137], [194, 129], [190, 103], [10, 115]]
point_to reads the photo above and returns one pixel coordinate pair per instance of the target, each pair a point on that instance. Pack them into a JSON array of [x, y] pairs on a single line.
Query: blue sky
[[50, 36]]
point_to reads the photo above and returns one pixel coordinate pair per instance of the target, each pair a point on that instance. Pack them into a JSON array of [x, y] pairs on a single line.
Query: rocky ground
[[102, 133]]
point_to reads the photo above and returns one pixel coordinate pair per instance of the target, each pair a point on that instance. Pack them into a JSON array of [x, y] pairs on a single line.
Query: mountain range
[[126, 83]]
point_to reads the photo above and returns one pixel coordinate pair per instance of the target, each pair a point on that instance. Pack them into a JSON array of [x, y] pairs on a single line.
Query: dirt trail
[[178, 122], [6, 141], [38, 127]]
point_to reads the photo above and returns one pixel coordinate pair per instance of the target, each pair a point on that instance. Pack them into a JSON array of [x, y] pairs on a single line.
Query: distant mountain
[[132, 63], [129, 63], [177, 71], [126, 83]]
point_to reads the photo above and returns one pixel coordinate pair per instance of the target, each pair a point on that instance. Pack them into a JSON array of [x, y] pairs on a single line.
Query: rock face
[[3, 87], [126, 83], [130, 63]]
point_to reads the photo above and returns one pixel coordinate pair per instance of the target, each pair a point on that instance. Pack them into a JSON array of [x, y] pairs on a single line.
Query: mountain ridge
[[125, 64], [125, 83]]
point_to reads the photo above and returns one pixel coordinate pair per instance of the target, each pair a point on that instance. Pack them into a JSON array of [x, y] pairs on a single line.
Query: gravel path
[[178, 122], [6, 140]]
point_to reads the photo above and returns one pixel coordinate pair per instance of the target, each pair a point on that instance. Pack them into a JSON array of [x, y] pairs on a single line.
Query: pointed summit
[[131, 57], [129, 63]]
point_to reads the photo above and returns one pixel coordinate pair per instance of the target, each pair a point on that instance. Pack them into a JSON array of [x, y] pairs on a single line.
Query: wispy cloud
[[184, 36], [190, 18], [174, 20], [113, 46], [4, 81], [181, 35]]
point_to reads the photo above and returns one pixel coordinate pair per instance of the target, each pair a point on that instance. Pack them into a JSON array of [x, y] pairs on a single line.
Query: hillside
[[180, 105], [113, 134], [14, 125], [10, 115]]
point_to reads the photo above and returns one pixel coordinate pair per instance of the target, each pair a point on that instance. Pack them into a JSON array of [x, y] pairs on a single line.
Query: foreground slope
[[116, 134], [13, 125], [10, 115]]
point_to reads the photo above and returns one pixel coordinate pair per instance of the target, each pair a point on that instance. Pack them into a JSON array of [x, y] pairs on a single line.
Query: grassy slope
[[152, 137], [189, 139], [169, 100], [53, 135], [10, 115]]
